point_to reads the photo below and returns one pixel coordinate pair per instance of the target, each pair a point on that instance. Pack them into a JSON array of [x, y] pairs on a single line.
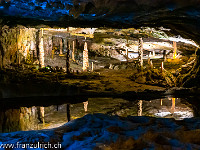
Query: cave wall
[[8, 42], [17, 44], [192, 78], [27, 43], [21, 45], [48, 45]]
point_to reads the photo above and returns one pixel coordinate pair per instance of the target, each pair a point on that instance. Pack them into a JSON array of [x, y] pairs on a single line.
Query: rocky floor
[[105, 132], [112, 80]]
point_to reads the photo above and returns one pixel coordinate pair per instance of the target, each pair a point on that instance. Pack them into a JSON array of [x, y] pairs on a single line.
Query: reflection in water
[[68, 112], [173, 105], [85, 105], [41, 115], [53, 116], [140, 108], [172, 108], [19, 119]]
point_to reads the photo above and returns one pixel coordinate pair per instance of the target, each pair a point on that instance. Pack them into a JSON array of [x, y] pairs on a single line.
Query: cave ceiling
[[182, 17]]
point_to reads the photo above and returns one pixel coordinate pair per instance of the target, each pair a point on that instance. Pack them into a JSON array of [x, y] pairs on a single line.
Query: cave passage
[[60, 54], [52, 76]]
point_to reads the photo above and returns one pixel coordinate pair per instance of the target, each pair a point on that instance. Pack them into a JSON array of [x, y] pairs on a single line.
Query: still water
[[37, 117]]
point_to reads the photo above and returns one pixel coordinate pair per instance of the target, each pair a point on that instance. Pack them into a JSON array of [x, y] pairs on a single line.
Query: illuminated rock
[[67, 59], [73, 52], [140, 108], [41, 49], [175, 50], [18, 119], [85, 104], [61, 46], [140, 53], [85, 58]]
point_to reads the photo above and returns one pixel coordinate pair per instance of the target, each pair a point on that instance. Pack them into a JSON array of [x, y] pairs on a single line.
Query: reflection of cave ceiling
[[182, 16]]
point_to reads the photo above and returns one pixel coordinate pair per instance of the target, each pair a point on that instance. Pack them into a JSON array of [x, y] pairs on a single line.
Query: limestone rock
[[116, 68], [141, 79]]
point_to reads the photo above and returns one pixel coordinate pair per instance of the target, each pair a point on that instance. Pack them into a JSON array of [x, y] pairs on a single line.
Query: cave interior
[[69, 59]]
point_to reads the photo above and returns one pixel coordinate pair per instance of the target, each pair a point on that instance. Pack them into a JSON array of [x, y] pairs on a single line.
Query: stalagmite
[[92, 66], [127, 54], [61, 46], [151, 64], [154, 54], [164, 55], [85, 58], [175, 49], [73, 52], [149, 61], [162, 66], [53, 50], [67, 59], [69, 46], [41, 49], [140, 108], [140, 53], [161, 102]]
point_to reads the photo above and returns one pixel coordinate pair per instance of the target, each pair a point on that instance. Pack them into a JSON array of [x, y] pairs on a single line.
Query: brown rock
[[141, 79]]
